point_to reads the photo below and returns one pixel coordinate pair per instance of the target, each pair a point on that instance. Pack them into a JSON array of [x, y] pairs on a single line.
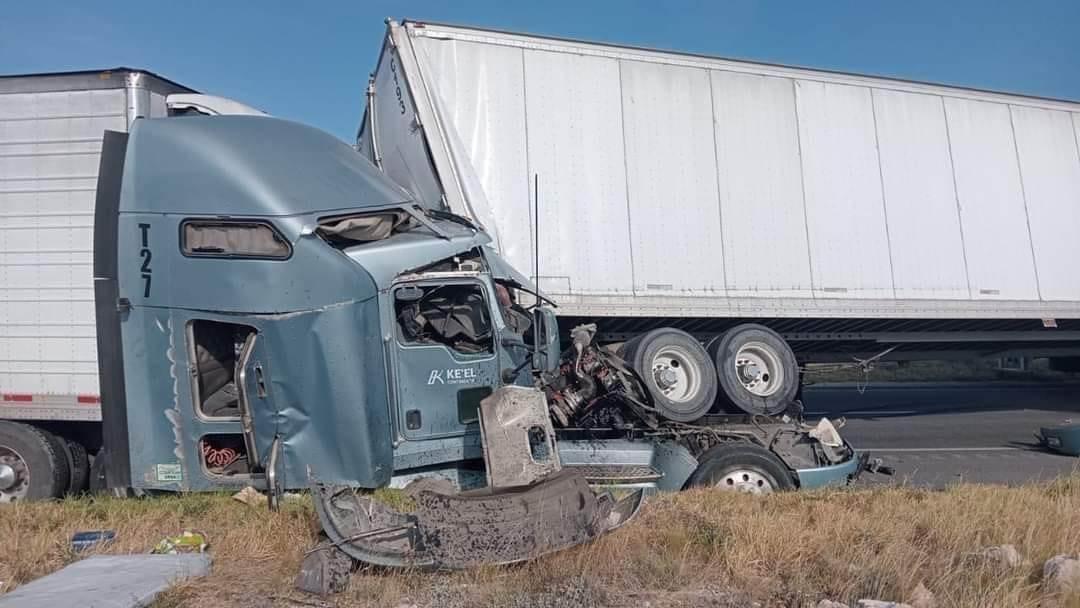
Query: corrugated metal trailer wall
[[681, 186], [50, 141]]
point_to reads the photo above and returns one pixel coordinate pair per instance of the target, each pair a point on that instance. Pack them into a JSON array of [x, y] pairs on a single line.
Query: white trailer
[[51, 127], [851, 214], [779, 215]]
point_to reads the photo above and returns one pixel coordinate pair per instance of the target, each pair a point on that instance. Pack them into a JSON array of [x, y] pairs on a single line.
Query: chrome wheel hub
[[14, 476], [758, 369], [675, 374], [745, 481]]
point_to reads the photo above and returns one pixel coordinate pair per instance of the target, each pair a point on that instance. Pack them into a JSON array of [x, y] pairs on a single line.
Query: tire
[[741, 467], [78, 466], [756, 368], [676, 371], [34, 463]]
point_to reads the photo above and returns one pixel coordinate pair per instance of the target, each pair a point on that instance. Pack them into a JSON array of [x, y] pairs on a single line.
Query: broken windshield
[[364, 228], [343, 231]]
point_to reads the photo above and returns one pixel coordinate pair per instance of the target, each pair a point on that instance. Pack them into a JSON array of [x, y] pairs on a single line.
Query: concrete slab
[[108, 581]]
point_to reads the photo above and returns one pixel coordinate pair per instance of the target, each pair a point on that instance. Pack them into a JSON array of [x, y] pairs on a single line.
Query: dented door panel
[[440, 372]]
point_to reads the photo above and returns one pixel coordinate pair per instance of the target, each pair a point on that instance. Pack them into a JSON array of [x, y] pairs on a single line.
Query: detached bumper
[[1064, 438], [471, 529]]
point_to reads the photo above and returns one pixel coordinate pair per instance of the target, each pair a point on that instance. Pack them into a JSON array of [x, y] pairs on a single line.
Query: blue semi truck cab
[[274, 311]]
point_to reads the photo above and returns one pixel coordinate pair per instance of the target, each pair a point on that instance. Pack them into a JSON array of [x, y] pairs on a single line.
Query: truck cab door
[[258, 416], [445, 356], [234, 419]]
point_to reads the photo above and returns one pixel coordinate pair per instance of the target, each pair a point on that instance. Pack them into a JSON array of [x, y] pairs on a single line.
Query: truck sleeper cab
[[50, 132], [272, 309]]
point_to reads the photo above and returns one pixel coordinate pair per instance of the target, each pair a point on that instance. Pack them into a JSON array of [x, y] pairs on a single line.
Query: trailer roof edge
[[754, 62], [109, 78]]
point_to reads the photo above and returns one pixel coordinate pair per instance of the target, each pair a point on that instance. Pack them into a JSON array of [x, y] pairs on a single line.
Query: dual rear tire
[[37, 465], [33, 463], [747, 369], [676, 371], [756, 368]]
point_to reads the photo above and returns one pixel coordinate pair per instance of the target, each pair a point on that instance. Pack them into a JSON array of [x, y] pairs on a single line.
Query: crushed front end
[[597, 398]]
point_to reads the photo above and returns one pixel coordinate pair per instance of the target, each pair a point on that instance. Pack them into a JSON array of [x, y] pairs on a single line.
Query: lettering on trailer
[[144, 253], [397, 83], [453, 375]]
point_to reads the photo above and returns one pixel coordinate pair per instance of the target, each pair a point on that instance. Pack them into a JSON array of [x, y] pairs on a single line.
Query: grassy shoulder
[[690, 549]]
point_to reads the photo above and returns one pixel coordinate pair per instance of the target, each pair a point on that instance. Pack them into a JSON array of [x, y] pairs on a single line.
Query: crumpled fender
[[455, 531], [1063, 438]]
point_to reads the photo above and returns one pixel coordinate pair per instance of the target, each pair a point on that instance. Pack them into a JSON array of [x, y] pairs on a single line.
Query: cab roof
[[246, 166]]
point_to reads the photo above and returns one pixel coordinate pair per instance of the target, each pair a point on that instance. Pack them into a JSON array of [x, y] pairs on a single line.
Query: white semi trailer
[[51, 127], [779, 215]]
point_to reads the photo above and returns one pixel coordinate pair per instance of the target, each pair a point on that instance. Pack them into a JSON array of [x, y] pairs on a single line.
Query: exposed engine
[[594, 387]]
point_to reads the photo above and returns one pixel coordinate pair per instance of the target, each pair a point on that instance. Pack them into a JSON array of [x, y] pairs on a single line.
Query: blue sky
[[309, 61]]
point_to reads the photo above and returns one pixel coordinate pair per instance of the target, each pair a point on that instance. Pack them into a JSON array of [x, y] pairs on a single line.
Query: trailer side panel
[[674, 185]]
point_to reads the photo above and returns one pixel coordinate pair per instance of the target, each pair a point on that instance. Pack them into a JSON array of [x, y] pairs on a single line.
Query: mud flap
[[454, 531]]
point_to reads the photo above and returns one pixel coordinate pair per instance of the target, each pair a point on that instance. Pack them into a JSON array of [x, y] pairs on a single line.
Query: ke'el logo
[[436, 377]]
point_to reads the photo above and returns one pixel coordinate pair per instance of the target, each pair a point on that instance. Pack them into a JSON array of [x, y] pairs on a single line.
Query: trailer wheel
[[78, 466], [757, 369], [741, 467], [33, 465], [677, 372]]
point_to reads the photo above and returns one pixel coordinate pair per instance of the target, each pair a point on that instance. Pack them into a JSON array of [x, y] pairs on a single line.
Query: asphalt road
[[936, 434]]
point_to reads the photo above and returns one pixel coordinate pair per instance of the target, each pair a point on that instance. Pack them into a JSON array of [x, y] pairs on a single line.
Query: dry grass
[[693, 549]]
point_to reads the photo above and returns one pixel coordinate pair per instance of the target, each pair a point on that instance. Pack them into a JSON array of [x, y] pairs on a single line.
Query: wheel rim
[[758, 368], [746, 481], [14, 475], [675, 374]]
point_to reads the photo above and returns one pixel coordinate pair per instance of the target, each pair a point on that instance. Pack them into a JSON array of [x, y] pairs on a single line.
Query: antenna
[[538, 317], [536, 232]]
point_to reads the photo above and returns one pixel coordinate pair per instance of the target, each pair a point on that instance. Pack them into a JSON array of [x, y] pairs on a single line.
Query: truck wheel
[[676, 370], [78, 466], [33, 465], [757, 369], [741, 467]]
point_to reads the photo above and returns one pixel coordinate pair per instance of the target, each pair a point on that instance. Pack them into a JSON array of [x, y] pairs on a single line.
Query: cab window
[[453, 315], [240, 239]]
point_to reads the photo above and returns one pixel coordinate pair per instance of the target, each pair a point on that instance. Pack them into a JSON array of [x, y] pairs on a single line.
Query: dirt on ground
[[698, 548]]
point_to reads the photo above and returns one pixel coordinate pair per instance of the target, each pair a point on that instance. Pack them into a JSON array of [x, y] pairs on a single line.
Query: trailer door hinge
[[123, 305]]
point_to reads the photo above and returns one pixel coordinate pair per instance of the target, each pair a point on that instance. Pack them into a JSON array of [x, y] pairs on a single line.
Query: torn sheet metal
[[471, 529], [518, 438], [825, 432]]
